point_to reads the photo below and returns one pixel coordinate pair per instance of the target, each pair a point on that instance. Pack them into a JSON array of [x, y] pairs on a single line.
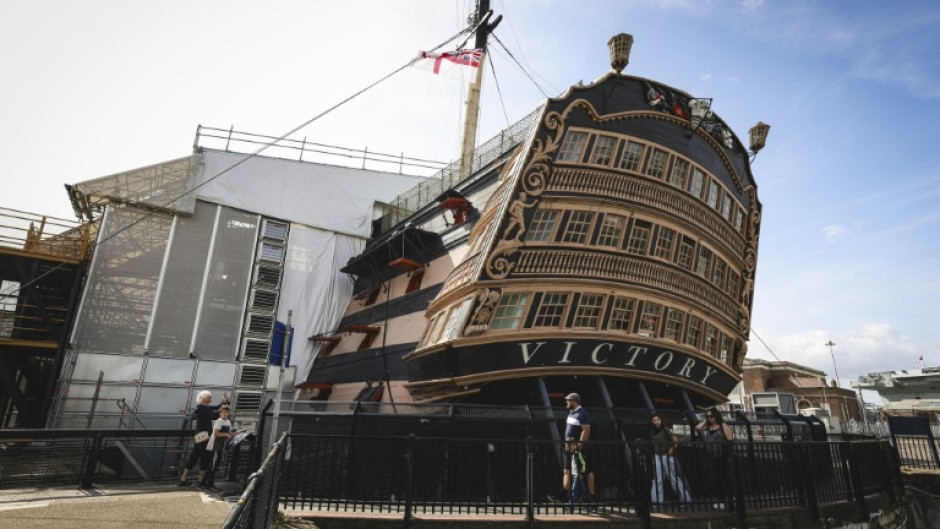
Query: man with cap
[[578, 426]]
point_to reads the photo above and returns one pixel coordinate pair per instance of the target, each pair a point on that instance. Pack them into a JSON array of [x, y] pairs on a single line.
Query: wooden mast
[[472, 109]]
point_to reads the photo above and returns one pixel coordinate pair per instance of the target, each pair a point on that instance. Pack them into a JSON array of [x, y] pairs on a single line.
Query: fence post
[[807, 466], [932, 445], [530, 480], [88, 476], [894, 478], [737, 486], [855, 474], [641, 491], [409, 482]]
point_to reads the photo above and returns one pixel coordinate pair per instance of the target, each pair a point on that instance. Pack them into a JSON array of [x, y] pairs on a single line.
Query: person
[[666, 466], [204, 414], [221, 432], [578, 426], [717, 436], [575, 473]]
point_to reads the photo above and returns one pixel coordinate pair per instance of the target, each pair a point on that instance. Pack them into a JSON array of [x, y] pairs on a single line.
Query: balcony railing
[[43, 235]]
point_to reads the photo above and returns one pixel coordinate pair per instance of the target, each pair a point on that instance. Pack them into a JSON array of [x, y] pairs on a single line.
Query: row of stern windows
[[587, 312], [635, 236], [629, 154]]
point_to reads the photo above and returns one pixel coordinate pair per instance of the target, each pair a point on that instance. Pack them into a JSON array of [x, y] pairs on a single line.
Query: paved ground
[[138, 506]]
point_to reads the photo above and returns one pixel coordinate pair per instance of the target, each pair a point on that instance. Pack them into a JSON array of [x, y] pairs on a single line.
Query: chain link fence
[[412, 200]]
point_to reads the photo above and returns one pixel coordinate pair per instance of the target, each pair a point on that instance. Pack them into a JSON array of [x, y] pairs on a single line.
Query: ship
[[905, 391], [606, 245]]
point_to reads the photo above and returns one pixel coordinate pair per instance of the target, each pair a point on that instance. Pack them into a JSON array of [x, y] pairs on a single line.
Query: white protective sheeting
[[314, 288], [332, 198]]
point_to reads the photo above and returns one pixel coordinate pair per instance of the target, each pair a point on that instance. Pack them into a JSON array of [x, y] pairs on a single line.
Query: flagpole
[[472, 108]]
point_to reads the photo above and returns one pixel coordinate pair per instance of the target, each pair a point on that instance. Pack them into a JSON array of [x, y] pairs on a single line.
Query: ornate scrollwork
[[531, 184], [498, 265], [480, 322], [744, 322]]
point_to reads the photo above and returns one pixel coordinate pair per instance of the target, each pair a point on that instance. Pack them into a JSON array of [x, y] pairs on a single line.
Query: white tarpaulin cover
[[332, 198], [314, 288]]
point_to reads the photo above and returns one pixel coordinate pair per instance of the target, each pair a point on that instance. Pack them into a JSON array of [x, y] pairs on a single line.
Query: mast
[[472, 109]]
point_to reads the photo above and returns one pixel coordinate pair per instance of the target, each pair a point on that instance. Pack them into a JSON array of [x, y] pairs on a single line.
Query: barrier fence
[[83, 458], [414, 475], [258, 505]]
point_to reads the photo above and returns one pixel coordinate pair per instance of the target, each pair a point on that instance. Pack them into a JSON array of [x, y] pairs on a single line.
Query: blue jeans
[[579, 492], [666, 467]]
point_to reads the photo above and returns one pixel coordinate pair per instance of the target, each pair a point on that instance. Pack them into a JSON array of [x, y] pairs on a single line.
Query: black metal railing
[[258, 505], [416, 475], [43, 458]]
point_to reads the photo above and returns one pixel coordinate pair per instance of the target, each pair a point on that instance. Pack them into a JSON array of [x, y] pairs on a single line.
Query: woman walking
[[666, 466], [204, 414]]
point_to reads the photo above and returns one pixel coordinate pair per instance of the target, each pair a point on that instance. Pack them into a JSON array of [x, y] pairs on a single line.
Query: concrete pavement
[[137, 506]]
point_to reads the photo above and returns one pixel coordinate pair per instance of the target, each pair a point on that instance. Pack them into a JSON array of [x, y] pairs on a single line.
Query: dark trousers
[[200, 454]]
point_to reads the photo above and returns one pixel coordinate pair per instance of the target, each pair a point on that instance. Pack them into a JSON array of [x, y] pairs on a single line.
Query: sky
[[849, 180]]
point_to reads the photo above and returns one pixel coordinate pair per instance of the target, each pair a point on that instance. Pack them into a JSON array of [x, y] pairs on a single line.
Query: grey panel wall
[[122, 284], [175, 314], [226, 289]]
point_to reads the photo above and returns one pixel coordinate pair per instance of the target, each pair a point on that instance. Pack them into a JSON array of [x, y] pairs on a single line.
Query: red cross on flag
[[457, 64]]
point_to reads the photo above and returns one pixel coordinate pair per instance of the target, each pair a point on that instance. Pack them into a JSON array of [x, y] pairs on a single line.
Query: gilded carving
[[480, 321], [532, 183], [516, 219]]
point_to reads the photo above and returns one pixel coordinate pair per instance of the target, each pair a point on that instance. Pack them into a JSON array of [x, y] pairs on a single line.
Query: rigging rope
[[521, 67], [498, 91], [94, 246]]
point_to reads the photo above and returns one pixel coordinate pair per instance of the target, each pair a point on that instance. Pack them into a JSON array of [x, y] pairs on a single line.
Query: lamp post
[[830, 345]]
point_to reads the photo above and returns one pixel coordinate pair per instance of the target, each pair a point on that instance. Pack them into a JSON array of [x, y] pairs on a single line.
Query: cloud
[[752, 4], [871, 348], [834, 232], [706, 77], [732, 79]]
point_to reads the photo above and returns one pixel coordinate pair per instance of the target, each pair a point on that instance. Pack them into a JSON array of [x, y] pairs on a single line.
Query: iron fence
[[43, 458], [258, 505], [436, 475]]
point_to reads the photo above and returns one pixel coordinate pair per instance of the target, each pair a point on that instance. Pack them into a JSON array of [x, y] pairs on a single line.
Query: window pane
[[693, 332], [455, 323], [622, 314], [711, 339], [684, 255], [738, 219], [589, 310], [673, 324], [649, 321], [664, 242], [572, 147], [603, 150], [712, 193], [657, 163], [724, 348], [718, 273], [579, 225], [639, 238], [680, 173], [632, 154], [698, 179], [726, 204], [704, 259], [542, 227], [509, 311], [611, 230], [551, 309], [732, 287]]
